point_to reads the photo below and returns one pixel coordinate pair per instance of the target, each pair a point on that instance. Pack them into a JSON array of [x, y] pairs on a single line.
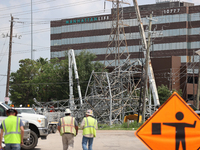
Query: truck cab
[[37, 123]]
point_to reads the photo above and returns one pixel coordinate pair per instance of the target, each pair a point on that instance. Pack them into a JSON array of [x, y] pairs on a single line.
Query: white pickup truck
[[37, 123], [38, 126]]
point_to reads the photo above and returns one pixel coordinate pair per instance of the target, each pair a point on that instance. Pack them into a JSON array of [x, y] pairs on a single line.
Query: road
[[105, 140]]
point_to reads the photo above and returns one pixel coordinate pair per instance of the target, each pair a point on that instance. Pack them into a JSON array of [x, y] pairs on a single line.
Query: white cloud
[[196, 2]]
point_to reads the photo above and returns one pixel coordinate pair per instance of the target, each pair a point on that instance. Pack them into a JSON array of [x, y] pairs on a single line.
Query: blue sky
[[43, 12]]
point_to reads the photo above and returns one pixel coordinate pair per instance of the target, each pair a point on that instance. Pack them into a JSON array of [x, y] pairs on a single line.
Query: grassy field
[[123, 126]]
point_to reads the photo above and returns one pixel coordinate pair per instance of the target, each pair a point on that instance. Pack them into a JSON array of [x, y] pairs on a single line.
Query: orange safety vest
[[67, 125]]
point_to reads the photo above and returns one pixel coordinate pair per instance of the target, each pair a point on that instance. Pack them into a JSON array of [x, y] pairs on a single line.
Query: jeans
[[84, 143], [12, 147]]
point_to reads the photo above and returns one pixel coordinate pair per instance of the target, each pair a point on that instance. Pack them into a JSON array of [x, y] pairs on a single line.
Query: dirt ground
[[105, 140]]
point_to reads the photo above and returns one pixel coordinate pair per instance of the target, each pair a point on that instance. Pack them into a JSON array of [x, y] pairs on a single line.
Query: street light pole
[[31, 31]]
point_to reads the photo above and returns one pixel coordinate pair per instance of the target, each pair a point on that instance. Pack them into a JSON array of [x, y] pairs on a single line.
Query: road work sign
[[174, 126]]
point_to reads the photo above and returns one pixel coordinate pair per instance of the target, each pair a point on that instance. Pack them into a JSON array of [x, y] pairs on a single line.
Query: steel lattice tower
[[117, 50]]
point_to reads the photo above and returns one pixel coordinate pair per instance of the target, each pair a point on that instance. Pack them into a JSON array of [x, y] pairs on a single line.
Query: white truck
[[38, 126]]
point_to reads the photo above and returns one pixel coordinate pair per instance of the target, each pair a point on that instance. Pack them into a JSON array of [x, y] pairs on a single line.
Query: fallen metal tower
[[113, 95]]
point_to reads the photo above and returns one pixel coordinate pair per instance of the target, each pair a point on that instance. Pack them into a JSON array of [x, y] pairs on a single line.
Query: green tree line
[[164, 93], [49, 80]]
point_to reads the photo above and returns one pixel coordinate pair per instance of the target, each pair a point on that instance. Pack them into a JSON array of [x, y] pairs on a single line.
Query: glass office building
[[175, 32]]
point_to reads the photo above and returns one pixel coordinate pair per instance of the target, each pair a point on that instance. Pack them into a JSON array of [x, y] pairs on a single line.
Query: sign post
[[6, 99], [174, 126]]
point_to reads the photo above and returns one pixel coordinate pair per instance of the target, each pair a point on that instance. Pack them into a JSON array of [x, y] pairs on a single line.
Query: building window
[[190, 79], [190, 97]]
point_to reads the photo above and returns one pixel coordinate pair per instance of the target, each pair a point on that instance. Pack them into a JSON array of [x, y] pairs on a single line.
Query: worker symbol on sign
[[180, 130]]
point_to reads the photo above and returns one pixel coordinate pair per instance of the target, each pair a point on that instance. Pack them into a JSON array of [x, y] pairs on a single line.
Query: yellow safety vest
[[11, 128], [90, 126], [67, 125]]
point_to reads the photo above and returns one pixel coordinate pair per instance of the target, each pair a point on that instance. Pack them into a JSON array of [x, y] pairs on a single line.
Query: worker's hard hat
[[67, 111], [89, 112], [12, 110]]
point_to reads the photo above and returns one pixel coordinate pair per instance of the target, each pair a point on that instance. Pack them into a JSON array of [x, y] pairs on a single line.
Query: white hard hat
[[67, 111], [89, 112]]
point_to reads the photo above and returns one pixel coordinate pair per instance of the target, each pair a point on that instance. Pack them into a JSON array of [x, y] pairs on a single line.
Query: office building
[[175, 32]]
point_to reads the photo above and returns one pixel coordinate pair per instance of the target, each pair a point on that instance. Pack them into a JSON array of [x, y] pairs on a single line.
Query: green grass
[[123, 126]]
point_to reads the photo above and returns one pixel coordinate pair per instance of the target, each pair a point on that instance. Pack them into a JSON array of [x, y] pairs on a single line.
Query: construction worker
[[68, 128], [13, 130], [89, 126]]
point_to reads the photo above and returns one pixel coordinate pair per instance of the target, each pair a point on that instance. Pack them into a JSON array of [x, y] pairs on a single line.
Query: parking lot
[[105, 140]]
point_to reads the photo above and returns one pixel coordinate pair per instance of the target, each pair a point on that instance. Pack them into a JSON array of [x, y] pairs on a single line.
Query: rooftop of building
[[160, 4]]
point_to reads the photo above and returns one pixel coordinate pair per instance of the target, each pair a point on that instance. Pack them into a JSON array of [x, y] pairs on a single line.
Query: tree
[[49, 80], [164, 93], [20, 82]]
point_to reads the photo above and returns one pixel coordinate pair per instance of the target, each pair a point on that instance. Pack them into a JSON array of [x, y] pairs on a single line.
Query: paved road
[[105, 140]]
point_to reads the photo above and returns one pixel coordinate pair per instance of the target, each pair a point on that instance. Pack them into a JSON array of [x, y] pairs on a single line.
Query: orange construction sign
[[174, 126]]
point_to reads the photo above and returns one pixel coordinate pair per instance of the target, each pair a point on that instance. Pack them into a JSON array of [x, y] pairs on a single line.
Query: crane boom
[[150, 69], [72, 63]]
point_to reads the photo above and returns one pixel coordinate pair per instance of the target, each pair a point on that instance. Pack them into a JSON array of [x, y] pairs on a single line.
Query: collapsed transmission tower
[[113, 95]]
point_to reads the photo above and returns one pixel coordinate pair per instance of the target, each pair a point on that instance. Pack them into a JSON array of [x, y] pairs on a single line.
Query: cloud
[[196, 2]]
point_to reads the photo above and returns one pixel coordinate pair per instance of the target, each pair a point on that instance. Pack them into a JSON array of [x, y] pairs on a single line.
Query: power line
[[3, 49], [48, 22], [51, 8], [29, 45], [50, 83], [25, 5], [25, 51]]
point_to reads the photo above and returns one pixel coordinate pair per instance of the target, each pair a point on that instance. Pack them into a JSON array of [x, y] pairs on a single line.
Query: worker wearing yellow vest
[[89, 126], [68, 128], [13, 130]]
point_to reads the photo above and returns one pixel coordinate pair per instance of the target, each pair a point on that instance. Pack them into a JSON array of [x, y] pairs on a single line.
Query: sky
[[43, 11]]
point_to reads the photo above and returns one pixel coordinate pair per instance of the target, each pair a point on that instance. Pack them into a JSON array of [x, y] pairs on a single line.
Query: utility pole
[[144, 44], [194, 100], [198, 87], [146, 70], [9, 57]]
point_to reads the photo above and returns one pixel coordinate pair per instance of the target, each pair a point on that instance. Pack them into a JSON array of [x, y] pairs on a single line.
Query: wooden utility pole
[[9, 57], [152, 82], [146, 69]]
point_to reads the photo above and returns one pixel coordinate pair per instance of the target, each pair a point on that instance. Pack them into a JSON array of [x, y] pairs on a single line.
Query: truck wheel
[[31, 142], [50, 129], [54, 128]]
